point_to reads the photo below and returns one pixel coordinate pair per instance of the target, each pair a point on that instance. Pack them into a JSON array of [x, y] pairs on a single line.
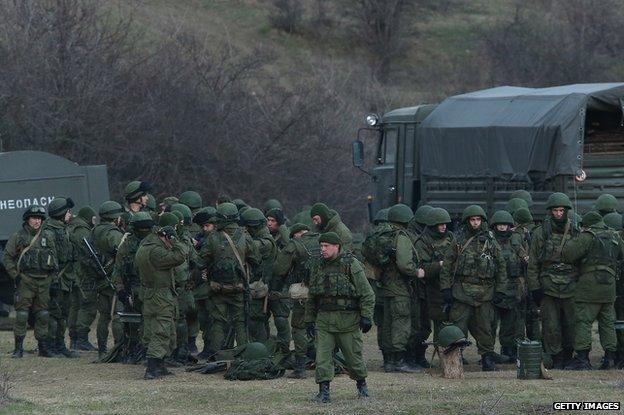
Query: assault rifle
[[99, 267]]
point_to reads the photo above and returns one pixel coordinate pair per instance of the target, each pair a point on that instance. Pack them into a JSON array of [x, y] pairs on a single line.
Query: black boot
[[608, 361], [510, 352], [400, 365], [44, 348], [487, 363], [388, 362], [206, 352], [420, 358], [580, 361], [19, 347], [192, 345], [102, 349], [83, 343], [566, 356], [59, 348], [152, 371], [300, 369], [362, 388], [323, 394], [162, 368]]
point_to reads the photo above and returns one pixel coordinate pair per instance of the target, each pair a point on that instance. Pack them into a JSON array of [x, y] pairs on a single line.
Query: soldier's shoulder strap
[[33, 241]]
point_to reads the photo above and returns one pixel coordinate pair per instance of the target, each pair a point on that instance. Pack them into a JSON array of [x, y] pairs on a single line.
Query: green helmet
[[591, 218], [524, 195], [502, 217], [191, 199], [272, 204], [59, 206], [87, 213], [606, 203], [253, 217], [400, 213], [255, 351], [515, 204], [438, 216], [204, 215], [151, 202], [34, 211], [167, 219], [381, 216], [136, 189], [613, 220], [110, 210], [141, 220], [178, 215], [558, 199], [240, 203], [184, 210], [422, 213], [523, 216], [450, 334], [227, 212], [473, 210]]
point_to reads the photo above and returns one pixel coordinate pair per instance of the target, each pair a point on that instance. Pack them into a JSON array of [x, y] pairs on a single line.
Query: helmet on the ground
[[255, 351], [449, 335]]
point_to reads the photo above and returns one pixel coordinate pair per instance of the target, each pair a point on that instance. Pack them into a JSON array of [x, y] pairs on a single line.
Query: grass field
[[77, 386]]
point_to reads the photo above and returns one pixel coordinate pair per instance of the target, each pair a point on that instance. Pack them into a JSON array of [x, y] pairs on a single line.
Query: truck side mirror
[[358, 153]]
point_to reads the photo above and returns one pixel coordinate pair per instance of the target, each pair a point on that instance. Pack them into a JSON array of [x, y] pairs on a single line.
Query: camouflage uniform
[[279, 304], [261, 274], [521, 238]]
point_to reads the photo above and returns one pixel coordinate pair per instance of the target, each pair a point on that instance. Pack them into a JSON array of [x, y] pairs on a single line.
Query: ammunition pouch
[[258, 289], [219, 288], [298, 291]]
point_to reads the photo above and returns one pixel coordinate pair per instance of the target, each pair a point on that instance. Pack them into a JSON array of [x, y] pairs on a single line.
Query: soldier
[[597, 251], [510, 310], [294, 263], [419, 222], [397, 288], [514, 204], [474, 277], [431, 247], [226, 253], [261, 274], [327, 220], [276, 222], [59, 214], [80, 227], [30, 259], [552, 282], [136, 195], [606, 203], [614, 221], [338, 311], [524, 195], [304, 217], [158, 255]]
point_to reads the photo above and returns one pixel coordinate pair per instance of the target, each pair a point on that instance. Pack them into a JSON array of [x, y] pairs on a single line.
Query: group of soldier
[[503, 277], [182, 269]]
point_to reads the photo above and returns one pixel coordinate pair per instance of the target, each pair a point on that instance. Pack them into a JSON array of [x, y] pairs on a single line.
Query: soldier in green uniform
[[158, 255], [136, 195], [524, 195], [293, 264], [398, 290], [419, 222], [597, 251], [473, 278], [30, 259], [79, 227], [514, 204], [226, 253], [261, 274], [552, 282], [614, 221], [432, 247], [339, 308], [59, 214], [327, 220], [510, 309], [304, 217], [606, 203]]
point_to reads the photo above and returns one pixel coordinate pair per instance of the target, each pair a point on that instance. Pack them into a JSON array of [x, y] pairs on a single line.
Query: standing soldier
[[338, 311], [432, 247], [473, 277], [136, 195], [552, 282], [158, 255], [598, 250], [294, 263], [30, 259], [419, 222], [614, 221], [59, 214], [327, 220], [226, 253], [80, 227], [606, 203]]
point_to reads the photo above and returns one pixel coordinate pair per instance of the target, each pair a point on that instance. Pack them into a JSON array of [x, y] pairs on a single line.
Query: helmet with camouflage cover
[[381, 216], [110, 210], [227, 212], [473, 210], [240, 203], [191, 199], [168, 219], [255, 351], [400, 213], [272, 204], [558, 199], [136, 189], [141, 220], [502, 217], [422, 213], [59, 206], [522, 216], [438, 216], [613, 220], [178, 215], [449, 335], [184, 210], [515, 204], [606, 203], [34, 211], [524, 195], [253, 217], [204, 215]]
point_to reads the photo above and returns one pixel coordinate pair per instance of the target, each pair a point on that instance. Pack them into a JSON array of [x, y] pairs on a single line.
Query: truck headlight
[[372, 120]]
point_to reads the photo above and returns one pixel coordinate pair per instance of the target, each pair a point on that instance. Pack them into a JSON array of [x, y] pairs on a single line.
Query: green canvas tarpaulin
[[511, 132]]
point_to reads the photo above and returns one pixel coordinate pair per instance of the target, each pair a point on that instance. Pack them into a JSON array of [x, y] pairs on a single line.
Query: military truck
[[34, 178], [481, 146]]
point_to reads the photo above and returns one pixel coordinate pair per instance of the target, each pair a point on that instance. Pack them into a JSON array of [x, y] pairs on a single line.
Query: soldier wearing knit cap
[[328, 220]]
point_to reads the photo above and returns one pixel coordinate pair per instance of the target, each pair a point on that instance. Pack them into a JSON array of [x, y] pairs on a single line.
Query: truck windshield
[[390, 145]]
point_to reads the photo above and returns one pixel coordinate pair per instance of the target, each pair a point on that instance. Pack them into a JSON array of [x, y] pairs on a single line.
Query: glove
[[168, 232], [55, 289], [537, 295], [447, 296], [310, 330], [365, 324], [498, 298]]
